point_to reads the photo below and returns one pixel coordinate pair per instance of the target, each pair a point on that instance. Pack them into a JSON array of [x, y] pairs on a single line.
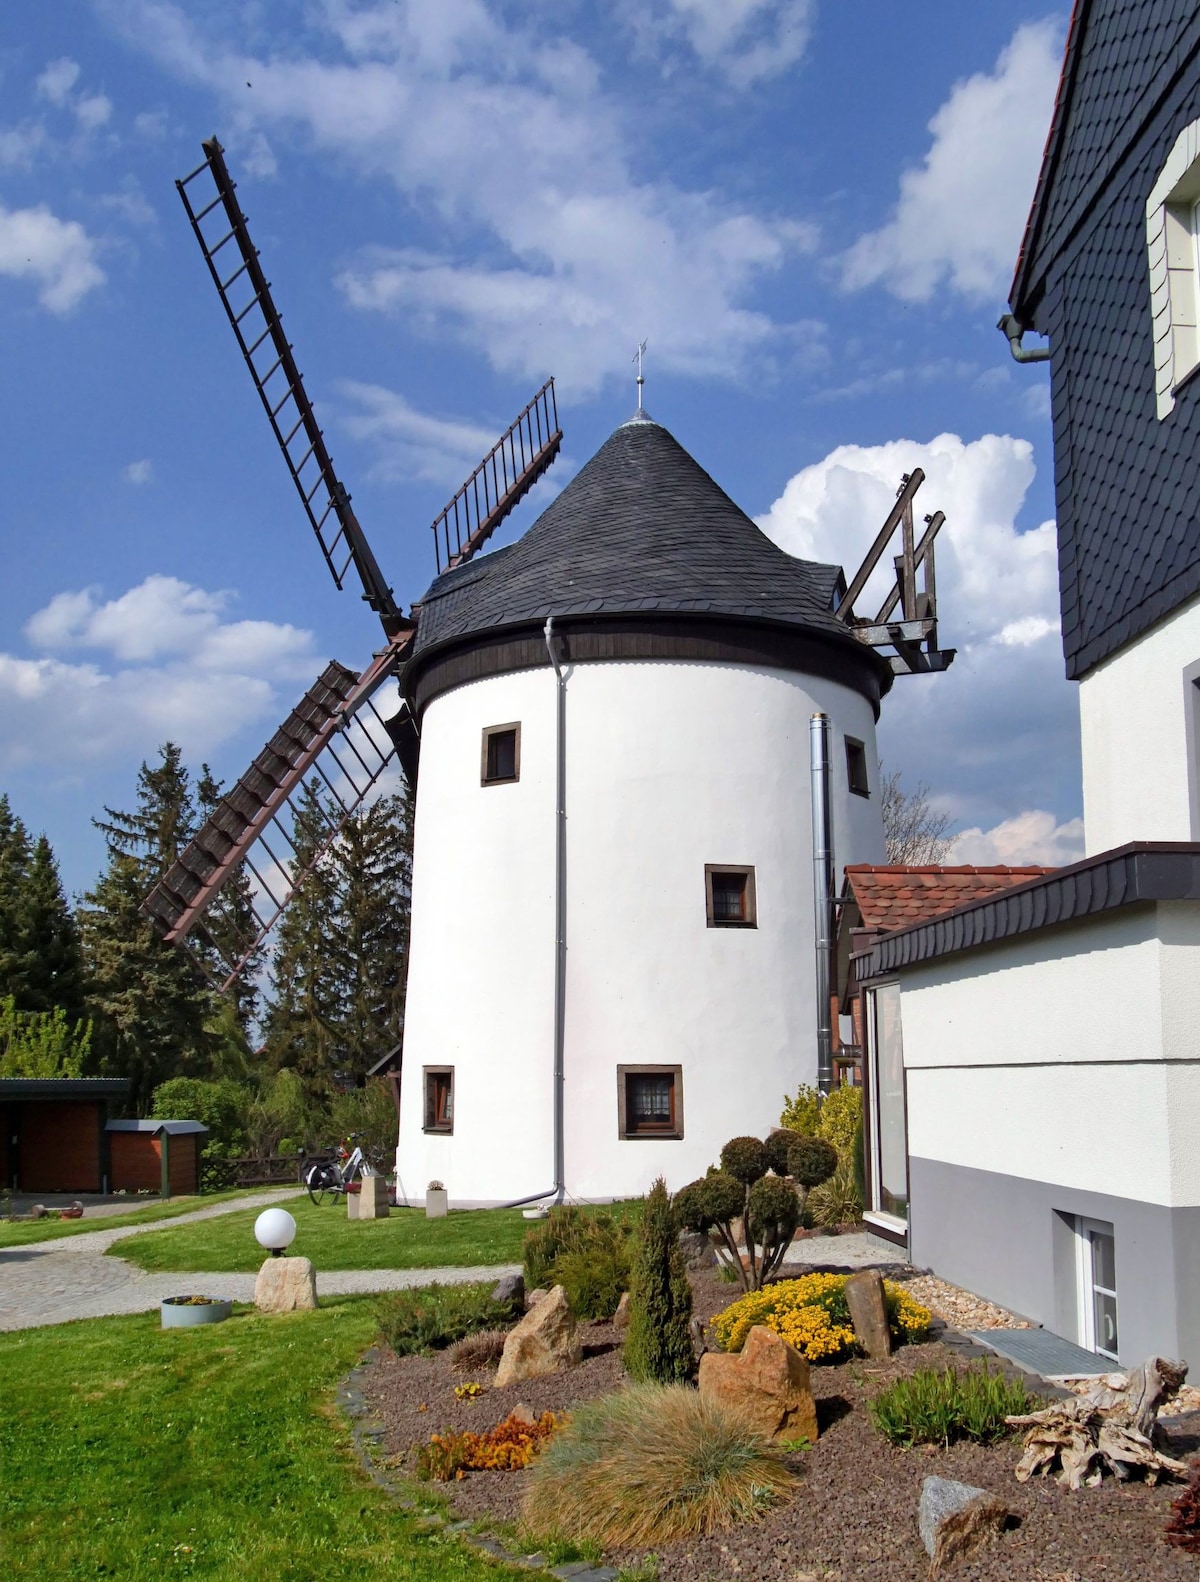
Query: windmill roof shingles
[[642, 528], [891, 897]]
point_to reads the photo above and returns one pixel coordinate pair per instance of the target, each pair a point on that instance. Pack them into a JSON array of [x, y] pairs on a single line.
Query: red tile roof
[[893, 897]]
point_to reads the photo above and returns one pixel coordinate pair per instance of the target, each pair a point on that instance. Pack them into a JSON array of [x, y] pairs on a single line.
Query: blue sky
[[811, 212]]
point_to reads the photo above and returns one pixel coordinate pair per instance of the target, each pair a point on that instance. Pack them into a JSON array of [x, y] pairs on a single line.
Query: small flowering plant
[[811, 1314]]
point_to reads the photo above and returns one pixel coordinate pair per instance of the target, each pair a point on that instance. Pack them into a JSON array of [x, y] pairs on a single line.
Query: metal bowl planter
[[188, 1312]]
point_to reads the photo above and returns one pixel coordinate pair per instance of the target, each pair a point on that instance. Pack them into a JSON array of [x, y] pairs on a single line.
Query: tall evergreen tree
[[14, 872], [163, 822], [49, 973], [229, 924]]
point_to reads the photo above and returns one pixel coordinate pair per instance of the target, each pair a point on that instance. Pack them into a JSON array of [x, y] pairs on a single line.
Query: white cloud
[[960, 213], [169, 664], [999, 729], [411, 444], [138, 472], [93, 111], [1034, 837], [58, 254], [20, 144], [583, 256], [745, 40], [56, 82]]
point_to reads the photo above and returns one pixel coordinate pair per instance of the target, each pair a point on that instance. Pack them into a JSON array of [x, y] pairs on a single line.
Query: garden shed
[[53, 1134], [156, 1156]]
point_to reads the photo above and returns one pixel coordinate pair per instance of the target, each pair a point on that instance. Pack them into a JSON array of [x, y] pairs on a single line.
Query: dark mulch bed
[[853, 1518]]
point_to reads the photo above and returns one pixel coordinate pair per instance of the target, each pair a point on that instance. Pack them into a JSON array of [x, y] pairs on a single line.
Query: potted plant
[[437, 1201], [187, 1312]]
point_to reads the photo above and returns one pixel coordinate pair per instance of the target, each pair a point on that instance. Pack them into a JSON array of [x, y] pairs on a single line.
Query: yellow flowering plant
[[811, 1314]]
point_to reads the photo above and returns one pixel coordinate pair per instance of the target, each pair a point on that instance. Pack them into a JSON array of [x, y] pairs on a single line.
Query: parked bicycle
[[329, 1177]]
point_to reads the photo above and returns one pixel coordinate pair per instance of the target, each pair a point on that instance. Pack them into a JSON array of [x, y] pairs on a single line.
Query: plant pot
[[181, 1313], [437, 1203]]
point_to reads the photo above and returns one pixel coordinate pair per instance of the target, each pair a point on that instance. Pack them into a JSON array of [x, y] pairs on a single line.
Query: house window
[[1097, 1247], [501, 758], [888, 1193], [650, 1101], [439, 1098], [856, 767], [729, 896], [1173, 255]]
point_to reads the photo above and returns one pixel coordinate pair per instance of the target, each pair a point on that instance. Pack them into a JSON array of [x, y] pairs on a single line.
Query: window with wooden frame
[[856, 767], [500, 761], [439, 1098], [650, 1101], [729, 896]]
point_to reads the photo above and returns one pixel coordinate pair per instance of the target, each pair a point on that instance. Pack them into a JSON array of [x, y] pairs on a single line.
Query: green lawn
[[405, 1240], [25, 1231], [136, 1453]]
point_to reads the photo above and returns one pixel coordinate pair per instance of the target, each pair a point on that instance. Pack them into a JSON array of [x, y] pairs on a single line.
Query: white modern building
[[613, 892]]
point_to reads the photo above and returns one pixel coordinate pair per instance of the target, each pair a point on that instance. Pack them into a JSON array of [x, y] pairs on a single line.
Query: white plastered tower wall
[[1139, 738], [671, 764]]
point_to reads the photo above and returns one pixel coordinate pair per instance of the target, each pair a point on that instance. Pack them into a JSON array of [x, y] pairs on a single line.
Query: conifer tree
[[14, 872], [49, 973], [658, 1345], [229, 924]]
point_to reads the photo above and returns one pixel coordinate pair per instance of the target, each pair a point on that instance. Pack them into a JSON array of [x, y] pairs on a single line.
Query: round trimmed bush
[[745, 1159], [778, 1145], [774, 1211], [709, 1201], [812, 1160]]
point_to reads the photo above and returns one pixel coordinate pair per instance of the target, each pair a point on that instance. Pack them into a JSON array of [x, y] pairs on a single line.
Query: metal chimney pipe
[[819, 755]]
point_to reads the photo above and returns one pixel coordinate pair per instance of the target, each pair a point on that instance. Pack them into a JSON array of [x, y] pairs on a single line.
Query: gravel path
[[53, 1282], [855, 1250]]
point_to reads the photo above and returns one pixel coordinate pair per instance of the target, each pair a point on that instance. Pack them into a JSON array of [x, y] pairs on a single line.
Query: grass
[[25, 1231], [405, 1240], [137, 1453]]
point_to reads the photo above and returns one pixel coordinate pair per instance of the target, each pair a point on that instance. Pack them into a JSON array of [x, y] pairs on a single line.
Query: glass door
[[1098, 1286], [889, 1132]]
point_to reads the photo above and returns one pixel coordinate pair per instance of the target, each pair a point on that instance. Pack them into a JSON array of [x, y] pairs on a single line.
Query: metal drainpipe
[[822, 833], [1009, 327], [560, 914]]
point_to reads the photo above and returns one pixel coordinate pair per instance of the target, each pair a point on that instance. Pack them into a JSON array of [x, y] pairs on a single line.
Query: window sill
[[652, 1137], [438, 1131], [891, 1224], [729, 922]]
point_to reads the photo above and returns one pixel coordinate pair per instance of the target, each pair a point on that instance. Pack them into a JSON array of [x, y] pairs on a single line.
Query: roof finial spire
[[640, 380]]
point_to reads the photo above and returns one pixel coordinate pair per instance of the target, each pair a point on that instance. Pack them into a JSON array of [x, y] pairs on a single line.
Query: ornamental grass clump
[[812, 1315], [933, 1407], [658, 1344], [652, 1463]]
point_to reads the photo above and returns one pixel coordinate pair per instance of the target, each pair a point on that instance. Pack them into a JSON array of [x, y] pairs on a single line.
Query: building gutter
[[822, 839], [1009, 327], [560, 910]]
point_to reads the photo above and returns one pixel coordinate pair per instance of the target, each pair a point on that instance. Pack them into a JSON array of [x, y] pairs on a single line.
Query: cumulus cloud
[[960, 213], [746, 41], [116, 676], [56, 82], [998, 732], [563, 267], [1035, 837], [411, 444], [138, 472], [58, 254]]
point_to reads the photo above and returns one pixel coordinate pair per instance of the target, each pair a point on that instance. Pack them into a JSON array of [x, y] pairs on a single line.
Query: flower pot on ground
[[437, 1201], [188, 1312]]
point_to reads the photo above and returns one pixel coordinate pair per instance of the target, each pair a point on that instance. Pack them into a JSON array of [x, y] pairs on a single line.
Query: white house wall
[[1137, 716], [670, 765]]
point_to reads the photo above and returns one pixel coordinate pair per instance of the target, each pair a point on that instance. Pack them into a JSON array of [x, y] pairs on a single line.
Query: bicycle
[[327, 1178]]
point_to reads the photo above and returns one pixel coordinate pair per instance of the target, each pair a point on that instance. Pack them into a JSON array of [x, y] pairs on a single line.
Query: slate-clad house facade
[[1040, 1049]]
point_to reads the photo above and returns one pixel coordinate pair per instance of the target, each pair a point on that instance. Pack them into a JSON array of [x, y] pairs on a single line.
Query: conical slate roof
[[641, 529]]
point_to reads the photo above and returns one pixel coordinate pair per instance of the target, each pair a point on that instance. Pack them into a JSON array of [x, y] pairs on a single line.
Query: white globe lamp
[[275, 1229]]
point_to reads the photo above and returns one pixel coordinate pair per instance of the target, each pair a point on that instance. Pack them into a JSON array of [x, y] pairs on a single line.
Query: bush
[[658, 1345], [432, 1317], [510, 1445], [811, 1160], [650, 1464], [221, 1106], [841, 1116], [480, 1350], [595, 1275], [745, 1159], [803, 1113], [709, 1201], [724, 1196], [368, 1112], [773, 1212], [935, 1408], [777, 1145], [811, 1314], [837, 1201]]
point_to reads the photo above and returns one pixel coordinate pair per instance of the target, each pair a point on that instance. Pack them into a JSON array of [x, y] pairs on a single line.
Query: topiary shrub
[[811, 1314], [777, 1145], [768, 1207], [745, 1159], [658, 1343], [653, 1463]]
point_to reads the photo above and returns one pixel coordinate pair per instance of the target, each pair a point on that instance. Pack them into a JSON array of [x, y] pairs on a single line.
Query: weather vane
[[640, 380]]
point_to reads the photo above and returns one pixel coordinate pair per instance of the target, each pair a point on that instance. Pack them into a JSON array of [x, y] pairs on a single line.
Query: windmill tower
[[615, 907]]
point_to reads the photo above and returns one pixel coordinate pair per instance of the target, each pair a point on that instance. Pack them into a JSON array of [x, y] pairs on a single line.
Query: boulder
[[543, 1342], [532, 1298], [767, 1381], [510, 1293], [868, 1313], [523, 1413], [954, 1519], [285, 1285], [621, 1316], [698, 1251]]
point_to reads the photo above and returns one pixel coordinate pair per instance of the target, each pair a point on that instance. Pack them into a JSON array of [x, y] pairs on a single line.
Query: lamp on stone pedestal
[[275, 1229]]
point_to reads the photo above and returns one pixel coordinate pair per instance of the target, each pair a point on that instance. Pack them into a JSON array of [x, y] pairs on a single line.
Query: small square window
[[439, 1098], [856, 767], [650, 1101], [501, 761], [729, 894]]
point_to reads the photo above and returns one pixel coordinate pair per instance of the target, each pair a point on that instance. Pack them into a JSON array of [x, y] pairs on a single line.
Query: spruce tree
[[14, 873], [229, 926], [49, 973], [658, 1345]]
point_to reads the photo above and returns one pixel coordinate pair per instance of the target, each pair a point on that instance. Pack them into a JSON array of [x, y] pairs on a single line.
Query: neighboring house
[[1039, 1049]]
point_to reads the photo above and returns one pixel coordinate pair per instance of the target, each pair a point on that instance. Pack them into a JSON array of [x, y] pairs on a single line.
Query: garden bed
[[853, 1518]]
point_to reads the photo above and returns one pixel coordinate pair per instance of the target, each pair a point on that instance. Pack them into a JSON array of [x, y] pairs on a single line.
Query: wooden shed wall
[[60, 1147], [137, 1163]]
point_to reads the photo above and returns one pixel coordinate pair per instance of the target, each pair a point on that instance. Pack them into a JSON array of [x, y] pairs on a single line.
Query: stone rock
[[868, 1313], [767, 1381], [698, 1252], [696, 1329], [543, 1342], [523, 1413], [510, 1293], [285, 1285], [532, 1298], [621, 1316], [954, 1519]]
